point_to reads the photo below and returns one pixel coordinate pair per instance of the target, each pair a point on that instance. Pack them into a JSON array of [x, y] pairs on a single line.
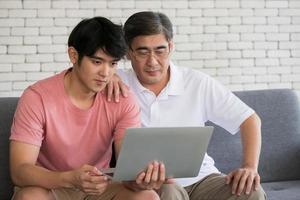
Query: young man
[[64, 127], [173, 96]]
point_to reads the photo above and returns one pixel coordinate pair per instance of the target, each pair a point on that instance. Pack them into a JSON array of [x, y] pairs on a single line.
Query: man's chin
[[98, 89], [152, 81]]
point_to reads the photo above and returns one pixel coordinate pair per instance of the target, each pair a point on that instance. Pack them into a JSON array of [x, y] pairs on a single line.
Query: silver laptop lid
[[181, 149]]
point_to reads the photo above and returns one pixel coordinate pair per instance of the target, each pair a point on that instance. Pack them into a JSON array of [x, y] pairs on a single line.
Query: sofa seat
[[282, 190]]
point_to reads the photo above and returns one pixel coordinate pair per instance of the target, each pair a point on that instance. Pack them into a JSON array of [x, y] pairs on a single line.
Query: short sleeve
[[129, 116], [224, 108], [28, 121]]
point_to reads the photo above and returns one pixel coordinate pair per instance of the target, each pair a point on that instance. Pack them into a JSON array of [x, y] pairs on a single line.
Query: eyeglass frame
[[150, 52]]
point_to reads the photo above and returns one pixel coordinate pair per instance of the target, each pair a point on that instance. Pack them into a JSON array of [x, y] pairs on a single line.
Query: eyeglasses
[[143, 53]]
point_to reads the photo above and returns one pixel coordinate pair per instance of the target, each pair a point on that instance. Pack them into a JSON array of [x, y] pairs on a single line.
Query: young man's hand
[[89, 180], [151, 179], [114, 87], [243, 180]]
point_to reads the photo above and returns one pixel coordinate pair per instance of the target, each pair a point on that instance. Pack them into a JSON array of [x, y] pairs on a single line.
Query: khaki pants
[[109, 194], [72, 194], [212, 187]]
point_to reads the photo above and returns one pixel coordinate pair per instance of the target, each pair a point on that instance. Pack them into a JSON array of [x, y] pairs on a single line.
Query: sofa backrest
[[280, 153], [7, 109]]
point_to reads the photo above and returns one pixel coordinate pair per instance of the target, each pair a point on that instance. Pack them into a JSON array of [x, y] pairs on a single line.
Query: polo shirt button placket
[[155, 113]]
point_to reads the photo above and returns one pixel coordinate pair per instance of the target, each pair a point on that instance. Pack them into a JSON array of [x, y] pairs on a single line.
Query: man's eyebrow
[[146, 48], [96, 57], [142, 48], [100, 58], [161, 47]]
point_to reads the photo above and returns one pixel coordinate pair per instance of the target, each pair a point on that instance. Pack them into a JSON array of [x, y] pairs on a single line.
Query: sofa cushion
[[287, 190], [280, 114], [7, 109]]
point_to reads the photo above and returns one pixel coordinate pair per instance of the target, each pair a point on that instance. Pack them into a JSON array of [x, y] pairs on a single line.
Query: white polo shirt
[[190, 99]]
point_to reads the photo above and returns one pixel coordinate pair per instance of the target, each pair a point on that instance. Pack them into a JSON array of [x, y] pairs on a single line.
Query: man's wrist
[[250, 166], [66, 180]]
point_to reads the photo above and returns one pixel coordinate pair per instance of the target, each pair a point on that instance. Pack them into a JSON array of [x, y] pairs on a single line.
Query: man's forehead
[[150, 41], [157, 38]]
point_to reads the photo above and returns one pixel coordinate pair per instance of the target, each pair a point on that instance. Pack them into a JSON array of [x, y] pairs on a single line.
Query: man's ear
[[172, 45], [73, 55]]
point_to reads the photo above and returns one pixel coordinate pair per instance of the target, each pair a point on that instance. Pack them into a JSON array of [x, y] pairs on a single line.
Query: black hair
[[147, 23], [96, 33]]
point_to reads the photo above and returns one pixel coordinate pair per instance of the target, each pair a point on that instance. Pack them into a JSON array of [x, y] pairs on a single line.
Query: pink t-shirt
[[69, 137]]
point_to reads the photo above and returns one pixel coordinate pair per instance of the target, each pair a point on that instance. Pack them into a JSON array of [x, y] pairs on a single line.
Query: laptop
[[181, 149]]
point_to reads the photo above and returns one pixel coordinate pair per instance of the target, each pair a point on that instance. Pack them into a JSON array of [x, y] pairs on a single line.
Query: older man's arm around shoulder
[[246, 178]]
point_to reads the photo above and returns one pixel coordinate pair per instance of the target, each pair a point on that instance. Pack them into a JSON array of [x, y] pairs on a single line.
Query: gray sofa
[[280, 156]]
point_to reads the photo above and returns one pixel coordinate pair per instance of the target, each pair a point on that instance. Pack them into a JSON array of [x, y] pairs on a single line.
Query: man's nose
[[152, 59], [105, 69]]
